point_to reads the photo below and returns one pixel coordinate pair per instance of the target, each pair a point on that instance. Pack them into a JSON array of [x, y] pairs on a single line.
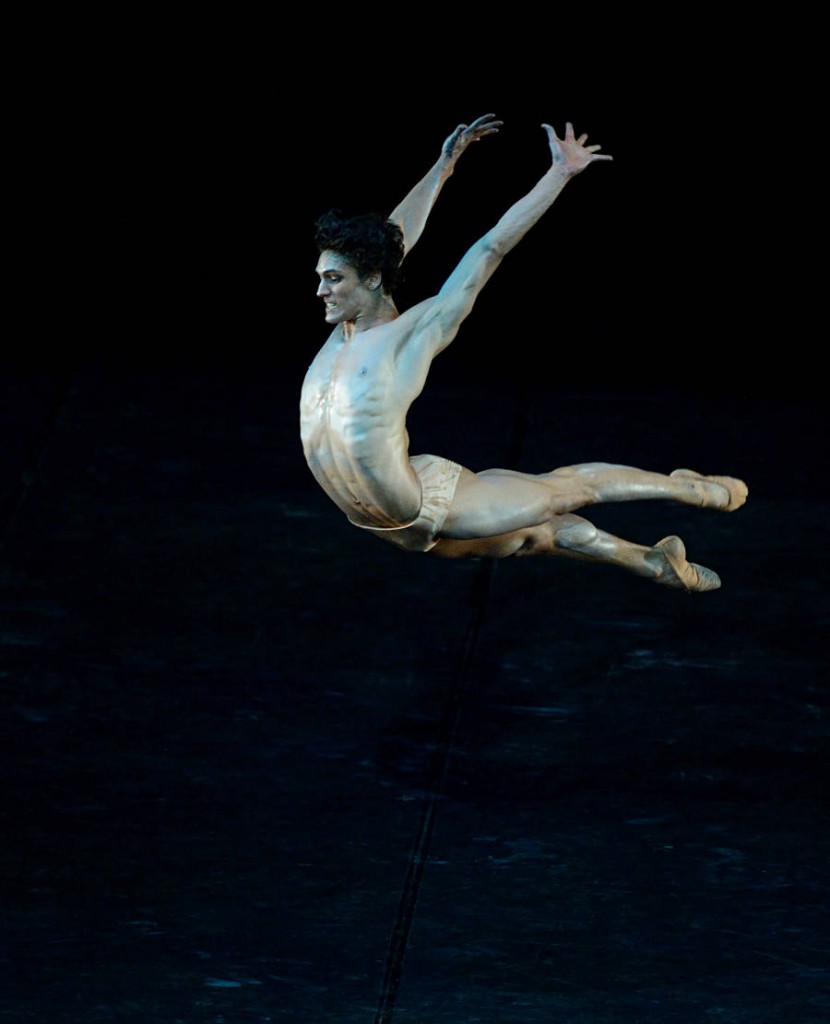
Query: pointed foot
[[725, 493], [680, 573]]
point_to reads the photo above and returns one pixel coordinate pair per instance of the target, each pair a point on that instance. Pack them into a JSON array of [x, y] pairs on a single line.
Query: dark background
[[180, 164], [262, 767]]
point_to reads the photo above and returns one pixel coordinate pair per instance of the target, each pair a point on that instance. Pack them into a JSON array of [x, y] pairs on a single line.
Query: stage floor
[[261, 766]]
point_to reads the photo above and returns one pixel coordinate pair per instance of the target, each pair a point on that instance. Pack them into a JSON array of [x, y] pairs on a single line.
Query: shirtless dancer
[[359, 388]]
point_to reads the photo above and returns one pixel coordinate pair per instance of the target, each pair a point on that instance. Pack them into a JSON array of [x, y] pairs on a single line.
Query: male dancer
[[359, 388]]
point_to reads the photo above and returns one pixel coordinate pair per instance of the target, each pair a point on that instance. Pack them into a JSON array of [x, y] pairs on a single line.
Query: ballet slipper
[[681, 574], [735, 489]]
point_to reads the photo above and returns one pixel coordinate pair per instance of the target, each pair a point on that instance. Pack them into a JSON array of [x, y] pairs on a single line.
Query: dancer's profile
[[359, 388]]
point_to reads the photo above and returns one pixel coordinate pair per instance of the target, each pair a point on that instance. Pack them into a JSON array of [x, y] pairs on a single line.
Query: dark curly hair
[[369, 241]]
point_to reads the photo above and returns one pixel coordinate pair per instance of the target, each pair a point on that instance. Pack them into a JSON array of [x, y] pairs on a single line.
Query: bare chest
[[350, 378]]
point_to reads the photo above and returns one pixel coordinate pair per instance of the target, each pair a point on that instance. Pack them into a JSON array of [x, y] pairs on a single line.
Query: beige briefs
[[439, 478]]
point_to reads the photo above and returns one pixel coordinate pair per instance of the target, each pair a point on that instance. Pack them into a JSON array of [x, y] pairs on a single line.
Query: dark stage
[[264, 767]]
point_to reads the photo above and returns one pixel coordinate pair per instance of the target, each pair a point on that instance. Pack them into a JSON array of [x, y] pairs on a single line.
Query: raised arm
[[443, 314], [569, 156], [412, 212]]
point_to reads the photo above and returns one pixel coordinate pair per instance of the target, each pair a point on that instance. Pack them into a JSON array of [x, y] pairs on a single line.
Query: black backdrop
[[180, 164]]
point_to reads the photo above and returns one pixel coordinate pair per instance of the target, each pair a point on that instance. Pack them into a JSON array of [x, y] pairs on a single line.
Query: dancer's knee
[[584, 469], [579, 535]]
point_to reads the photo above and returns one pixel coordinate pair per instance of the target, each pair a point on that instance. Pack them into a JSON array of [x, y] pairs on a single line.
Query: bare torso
[[353, 408]]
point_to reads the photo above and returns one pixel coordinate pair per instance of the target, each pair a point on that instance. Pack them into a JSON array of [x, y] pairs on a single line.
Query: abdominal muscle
[[383, 492], [360, 461], [353, 406]]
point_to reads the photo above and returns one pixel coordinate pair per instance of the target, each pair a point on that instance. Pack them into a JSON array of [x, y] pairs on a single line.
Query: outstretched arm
[[443, 315], [569, 156], [412, 212]]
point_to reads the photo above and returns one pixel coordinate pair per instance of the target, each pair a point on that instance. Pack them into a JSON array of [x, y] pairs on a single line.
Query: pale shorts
[[439, 479]]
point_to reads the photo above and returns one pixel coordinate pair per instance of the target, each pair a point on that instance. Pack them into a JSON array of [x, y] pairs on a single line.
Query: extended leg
[[665, 563], [501, 501], [571, 536], [603, 481]]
